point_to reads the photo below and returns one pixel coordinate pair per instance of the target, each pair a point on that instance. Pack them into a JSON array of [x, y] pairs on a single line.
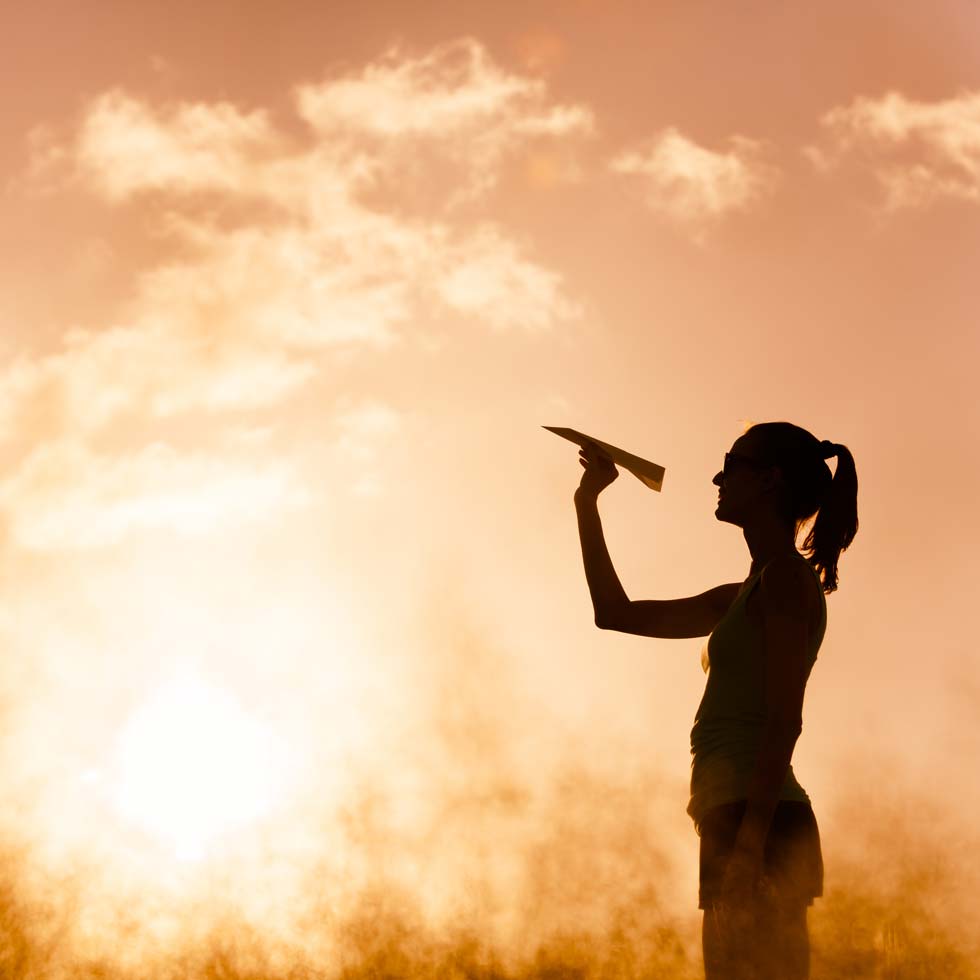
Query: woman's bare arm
[[614, 610], [609, 598]]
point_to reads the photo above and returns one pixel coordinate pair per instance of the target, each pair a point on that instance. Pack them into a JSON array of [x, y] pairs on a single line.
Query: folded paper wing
[[646, 472]]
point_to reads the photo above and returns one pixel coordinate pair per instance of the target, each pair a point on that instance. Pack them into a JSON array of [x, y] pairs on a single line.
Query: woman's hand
[[745, 877], [745, 889], [600, 470]]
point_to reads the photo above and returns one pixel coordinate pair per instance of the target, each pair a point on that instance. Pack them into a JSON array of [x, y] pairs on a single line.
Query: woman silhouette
[[760, 864]]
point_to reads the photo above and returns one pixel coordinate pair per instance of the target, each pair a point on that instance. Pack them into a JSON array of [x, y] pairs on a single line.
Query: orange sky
[[286, 293]]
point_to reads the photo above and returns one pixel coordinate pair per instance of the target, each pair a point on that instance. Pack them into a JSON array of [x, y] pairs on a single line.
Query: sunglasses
[[731, 458]]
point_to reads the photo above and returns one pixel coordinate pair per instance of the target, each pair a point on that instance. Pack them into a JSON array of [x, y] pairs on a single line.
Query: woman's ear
[[773, 478]]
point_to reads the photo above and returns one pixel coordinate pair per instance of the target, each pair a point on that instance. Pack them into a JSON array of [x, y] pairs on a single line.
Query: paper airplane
[[649, 474]]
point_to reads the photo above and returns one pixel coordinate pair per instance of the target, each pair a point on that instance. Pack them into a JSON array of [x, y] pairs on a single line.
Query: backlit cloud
[[309, 248], [65, 497], [918, 151], [487, 276], [125, 146], [153, 371], [321, 267], [692, 184], [365, 436], [452, 115], [455, 99]]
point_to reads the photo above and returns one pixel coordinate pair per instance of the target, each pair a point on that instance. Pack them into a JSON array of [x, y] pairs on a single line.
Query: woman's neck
[[768, 539]]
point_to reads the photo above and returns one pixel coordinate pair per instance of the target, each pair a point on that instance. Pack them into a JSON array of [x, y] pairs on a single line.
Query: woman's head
[[780, 468]]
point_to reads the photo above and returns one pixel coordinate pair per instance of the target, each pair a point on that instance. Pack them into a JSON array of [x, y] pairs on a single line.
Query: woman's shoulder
[[789, 567]]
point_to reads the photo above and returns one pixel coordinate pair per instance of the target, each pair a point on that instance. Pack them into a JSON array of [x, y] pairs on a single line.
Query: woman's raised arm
[[669, 618]]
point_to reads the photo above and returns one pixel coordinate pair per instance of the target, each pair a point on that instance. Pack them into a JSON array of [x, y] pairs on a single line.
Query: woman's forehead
[[746, 446]]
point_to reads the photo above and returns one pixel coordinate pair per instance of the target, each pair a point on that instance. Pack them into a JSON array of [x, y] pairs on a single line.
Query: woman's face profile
[[737, 482]]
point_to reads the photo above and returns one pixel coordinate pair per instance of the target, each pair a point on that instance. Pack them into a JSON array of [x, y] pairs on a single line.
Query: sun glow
[[193, 766]]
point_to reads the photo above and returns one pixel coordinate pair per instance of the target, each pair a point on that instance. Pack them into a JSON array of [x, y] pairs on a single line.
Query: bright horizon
[[294, 611]]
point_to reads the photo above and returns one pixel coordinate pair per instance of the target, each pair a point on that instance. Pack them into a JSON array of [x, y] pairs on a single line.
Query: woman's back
[[731, 719]]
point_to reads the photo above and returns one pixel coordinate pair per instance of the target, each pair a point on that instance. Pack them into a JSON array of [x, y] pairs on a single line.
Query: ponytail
[[810, 489], [836, 522]]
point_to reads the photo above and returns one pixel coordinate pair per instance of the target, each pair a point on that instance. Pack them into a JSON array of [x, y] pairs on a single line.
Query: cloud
[[487, 276], [918, 151], [64, 496], [124, 146], [367, 420], [365, 434], [282, 255], [293, 261], [693, 185], [242, 321], [454, 105], [452, 114], [152, 371], [456, 90]]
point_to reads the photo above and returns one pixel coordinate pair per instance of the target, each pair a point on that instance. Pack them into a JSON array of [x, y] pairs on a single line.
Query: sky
[[294, 612]]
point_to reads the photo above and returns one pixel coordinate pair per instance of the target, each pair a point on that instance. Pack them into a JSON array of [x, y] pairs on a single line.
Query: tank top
[[730, 722]]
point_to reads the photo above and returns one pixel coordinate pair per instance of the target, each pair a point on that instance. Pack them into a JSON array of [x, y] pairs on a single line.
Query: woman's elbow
[[609, 619]]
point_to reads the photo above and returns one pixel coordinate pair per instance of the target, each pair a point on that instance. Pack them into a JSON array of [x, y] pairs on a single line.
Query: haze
[[300, 673]]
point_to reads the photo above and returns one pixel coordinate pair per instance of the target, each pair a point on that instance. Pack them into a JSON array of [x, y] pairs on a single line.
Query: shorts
[[793, 859]]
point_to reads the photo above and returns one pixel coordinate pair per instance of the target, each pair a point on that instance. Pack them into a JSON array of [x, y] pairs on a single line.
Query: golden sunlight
[[192, 765], [300, 671]]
